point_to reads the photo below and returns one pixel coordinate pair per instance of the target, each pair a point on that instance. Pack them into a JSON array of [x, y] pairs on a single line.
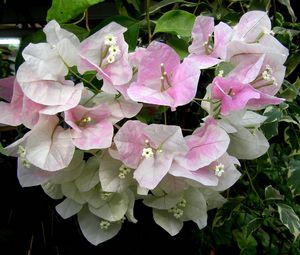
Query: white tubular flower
[[148, 153], [105, 195], [21, 151], [219, 170], [124, 170], [114, 50], [110, 40], [110, 59], [104, 224]]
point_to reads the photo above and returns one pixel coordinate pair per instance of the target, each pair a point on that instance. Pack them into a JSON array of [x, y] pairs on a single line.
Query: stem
[[87, 20], [251, 184], [86, 81], [196, 8], [202, 99], [187, 130], [165, 117], [81, 19], [148, 20], [274, 16]]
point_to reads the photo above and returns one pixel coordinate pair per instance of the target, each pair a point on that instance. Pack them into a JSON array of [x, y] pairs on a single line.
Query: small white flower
[[21, 151], [104, 224], [105, 195], [114, 50], [221, 73], [124, 170], [110, 40], [219, 170], [147, 152], [110, 59]]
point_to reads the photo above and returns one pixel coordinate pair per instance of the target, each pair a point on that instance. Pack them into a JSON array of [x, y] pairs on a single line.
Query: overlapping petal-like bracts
[[149, 149], [204, 50], [252, 25], [235, 96], [47, 146], [119, 106], [162, 79], [41, 76], [91, 128], [65, 43], [22, 110], [207, 175], [263, 71], [206, 144], [94, 55]]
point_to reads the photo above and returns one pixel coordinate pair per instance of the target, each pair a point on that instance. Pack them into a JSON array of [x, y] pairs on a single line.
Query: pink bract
[[93, 55], [206, 144], [91, 127], [162, 142], [204, 50], [162, 79]]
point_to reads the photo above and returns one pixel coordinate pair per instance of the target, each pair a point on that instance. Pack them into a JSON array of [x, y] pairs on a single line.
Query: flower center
[[209, 44], [267, 76], [124, 171], [164, 80], [177, 210], [110, 51], [219, 169], [22, 154], [84, 121], [104, 224], [148, 151]]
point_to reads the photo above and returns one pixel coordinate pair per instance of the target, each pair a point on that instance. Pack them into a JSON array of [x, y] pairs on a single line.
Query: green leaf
[[272, 193], [132, 25], [253, 225], [2, 150], [137, 4], [224, 67], [247, 244], [292, 62], [179, 45], [175, 22], [80, 32], [65, 10], [290, 9], [227, 210], [289, 218], [164, 3], [294, 177]]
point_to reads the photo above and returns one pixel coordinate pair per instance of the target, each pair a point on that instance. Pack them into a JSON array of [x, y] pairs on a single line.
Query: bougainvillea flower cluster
[[87, 146]]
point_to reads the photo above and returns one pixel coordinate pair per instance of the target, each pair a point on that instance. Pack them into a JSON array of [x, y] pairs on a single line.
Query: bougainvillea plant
[[90, 143]]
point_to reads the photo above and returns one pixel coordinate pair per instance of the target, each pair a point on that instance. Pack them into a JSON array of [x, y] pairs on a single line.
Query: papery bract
[[47, 146], [91, 127], [95, 55], [204, 50], [206, 144], [162, 79]]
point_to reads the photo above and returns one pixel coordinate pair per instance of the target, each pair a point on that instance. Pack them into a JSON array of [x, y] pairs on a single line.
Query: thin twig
[[43, 233], [87, 20], [148, 21], [30, 246], [81, 19], [196, 8]]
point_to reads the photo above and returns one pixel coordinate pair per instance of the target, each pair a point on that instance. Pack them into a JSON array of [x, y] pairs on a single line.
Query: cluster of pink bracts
[[179, 177]]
